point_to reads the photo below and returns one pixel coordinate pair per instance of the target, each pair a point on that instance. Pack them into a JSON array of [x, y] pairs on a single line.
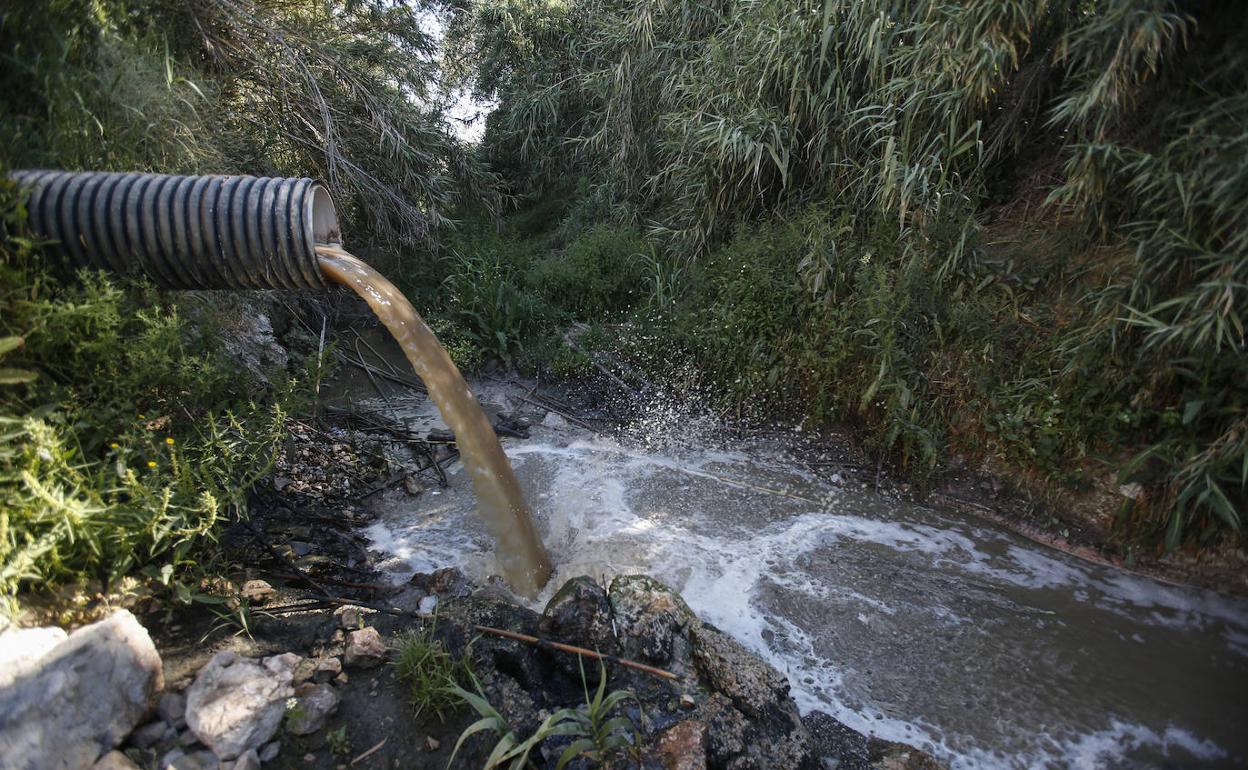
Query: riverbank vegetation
[[1010, 232], [129, 434], [1013, 231]]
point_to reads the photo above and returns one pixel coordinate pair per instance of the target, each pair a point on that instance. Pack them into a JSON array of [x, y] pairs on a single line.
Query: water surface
[[906, 622]]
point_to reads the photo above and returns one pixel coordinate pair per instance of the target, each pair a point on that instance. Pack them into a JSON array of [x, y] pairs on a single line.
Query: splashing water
[[500, 501], [909, 623]]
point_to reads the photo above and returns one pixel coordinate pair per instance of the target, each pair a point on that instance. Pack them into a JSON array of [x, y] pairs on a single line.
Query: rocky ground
[[298, 669]]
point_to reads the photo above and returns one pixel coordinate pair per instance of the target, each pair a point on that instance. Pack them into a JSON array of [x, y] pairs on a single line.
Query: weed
[[339, 742], [425, 665]]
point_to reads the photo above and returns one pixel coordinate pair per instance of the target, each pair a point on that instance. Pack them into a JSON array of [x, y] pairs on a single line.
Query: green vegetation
[[139, 436], [128, 440], [424, 664], [1015, 230], [596, 734]]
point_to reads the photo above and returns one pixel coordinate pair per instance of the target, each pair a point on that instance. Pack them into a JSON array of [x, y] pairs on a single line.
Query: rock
[[412, 485], [326, 669], [836, 742], [887, 755], [649, 616], [114, 760], [248, 760], [257, 591], [200, 760], [580, 611], [269, 751], [432, 743], [237, 703], [172, 708], [314, 703], [725, 730], [21, 648], [351, 618], [753, 684], [553, 420], [682, 746], [513, 703], [152, 733], [67, 705], [449, 583], [364, 648]]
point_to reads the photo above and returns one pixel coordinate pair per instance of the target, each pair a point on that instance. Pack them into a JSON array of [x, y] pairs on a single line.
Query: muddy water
[[499, 500], [907, 622]]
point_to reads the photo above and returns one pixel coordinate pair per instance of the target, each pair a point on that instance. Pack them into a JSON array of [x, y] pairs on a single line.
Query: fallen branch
[[571, 648]]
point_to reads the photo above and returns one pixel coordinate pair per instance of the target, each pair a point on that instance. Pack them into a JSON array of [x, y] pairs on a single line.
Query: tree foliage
[[924, 134]]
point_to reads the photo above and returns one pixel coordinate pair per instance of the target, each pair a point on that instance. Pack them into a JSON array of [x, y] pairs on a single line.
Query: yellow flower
[[114, 445], [151, 463], [169, 441], [142, 417]]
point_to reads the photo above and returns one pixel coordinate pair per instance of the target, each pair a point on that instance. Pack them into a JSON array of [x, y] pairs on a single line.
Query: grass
[[426, 667]]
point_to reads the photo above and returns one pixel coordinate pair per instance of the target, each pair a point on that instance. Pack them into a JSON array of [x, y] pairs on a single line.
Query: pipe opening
[[324, 218]]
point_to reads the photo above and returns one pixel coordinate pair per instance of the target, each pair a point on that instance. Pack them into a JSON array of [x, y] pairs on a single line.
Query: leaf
[[573, 751], [9, 344], [16, 376]]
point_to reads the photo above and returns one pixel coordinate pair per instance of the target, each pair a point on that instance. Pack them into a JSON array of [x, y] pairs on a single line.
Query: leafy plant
[[596, 734], [426, 667]]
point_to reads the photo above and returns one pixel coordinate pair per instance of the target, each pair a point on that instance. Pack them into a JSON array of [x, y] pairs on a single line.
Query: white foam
[[732, 531]]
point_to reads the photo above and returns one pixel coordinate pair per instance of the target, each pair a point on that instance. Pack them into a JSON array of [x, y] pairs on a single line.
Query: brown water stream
[[500, 502]]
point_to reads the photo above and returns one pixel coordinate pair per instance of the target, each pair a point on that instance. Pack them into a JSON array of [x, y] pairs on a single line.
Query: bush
[[135, 440], [596, 276]]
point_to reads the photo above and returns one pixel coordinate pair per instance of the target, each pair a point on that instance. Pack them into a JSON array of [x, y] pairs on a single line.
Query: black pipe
[[186, 232]]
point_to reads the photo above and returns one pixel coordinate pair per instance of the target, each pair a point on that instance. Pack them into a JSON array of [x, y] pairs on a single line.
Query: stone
[[199, 760], [351, 618], [837, 743], [314, 703], [326, 669], [237, 703], [77, 699], [21, 648], [682, 746], [432, 743], [171, 706], [887, 755], [114, 760], [753, 684], [248, 760], [580, 613], [269, 751], [257, 591], [553, 420], [152, 733], [649, 616], [365, 649]]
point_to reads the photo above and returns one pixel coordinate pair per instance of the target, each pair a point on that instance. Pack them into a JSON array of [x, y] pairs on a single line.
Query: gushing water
[[903, 621], [520, 553]]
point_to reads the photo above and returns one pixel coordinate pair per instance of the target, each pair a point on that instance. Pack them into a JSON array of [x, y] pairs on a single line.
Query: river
[[908, 622]]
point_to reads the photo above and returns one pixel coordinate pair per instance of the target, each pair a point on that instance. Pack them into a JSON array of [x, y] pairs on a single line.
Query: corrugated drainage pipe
[[186, 232]]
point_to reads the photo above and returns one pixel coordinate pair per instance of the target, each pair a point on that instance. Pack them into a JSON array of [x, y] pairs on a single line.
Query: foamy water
[[901, 621]]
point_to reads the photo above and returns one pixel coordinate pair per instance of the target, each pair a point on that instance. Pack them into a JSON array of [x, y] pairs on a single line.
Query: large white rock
[[79, 699], [237, 703]]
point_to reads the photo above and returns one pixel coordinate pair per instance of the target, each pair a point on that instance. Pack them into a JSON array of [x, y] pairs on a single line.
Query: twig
[[547, 644], [513, 635], [570, 418], [371, 751]]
